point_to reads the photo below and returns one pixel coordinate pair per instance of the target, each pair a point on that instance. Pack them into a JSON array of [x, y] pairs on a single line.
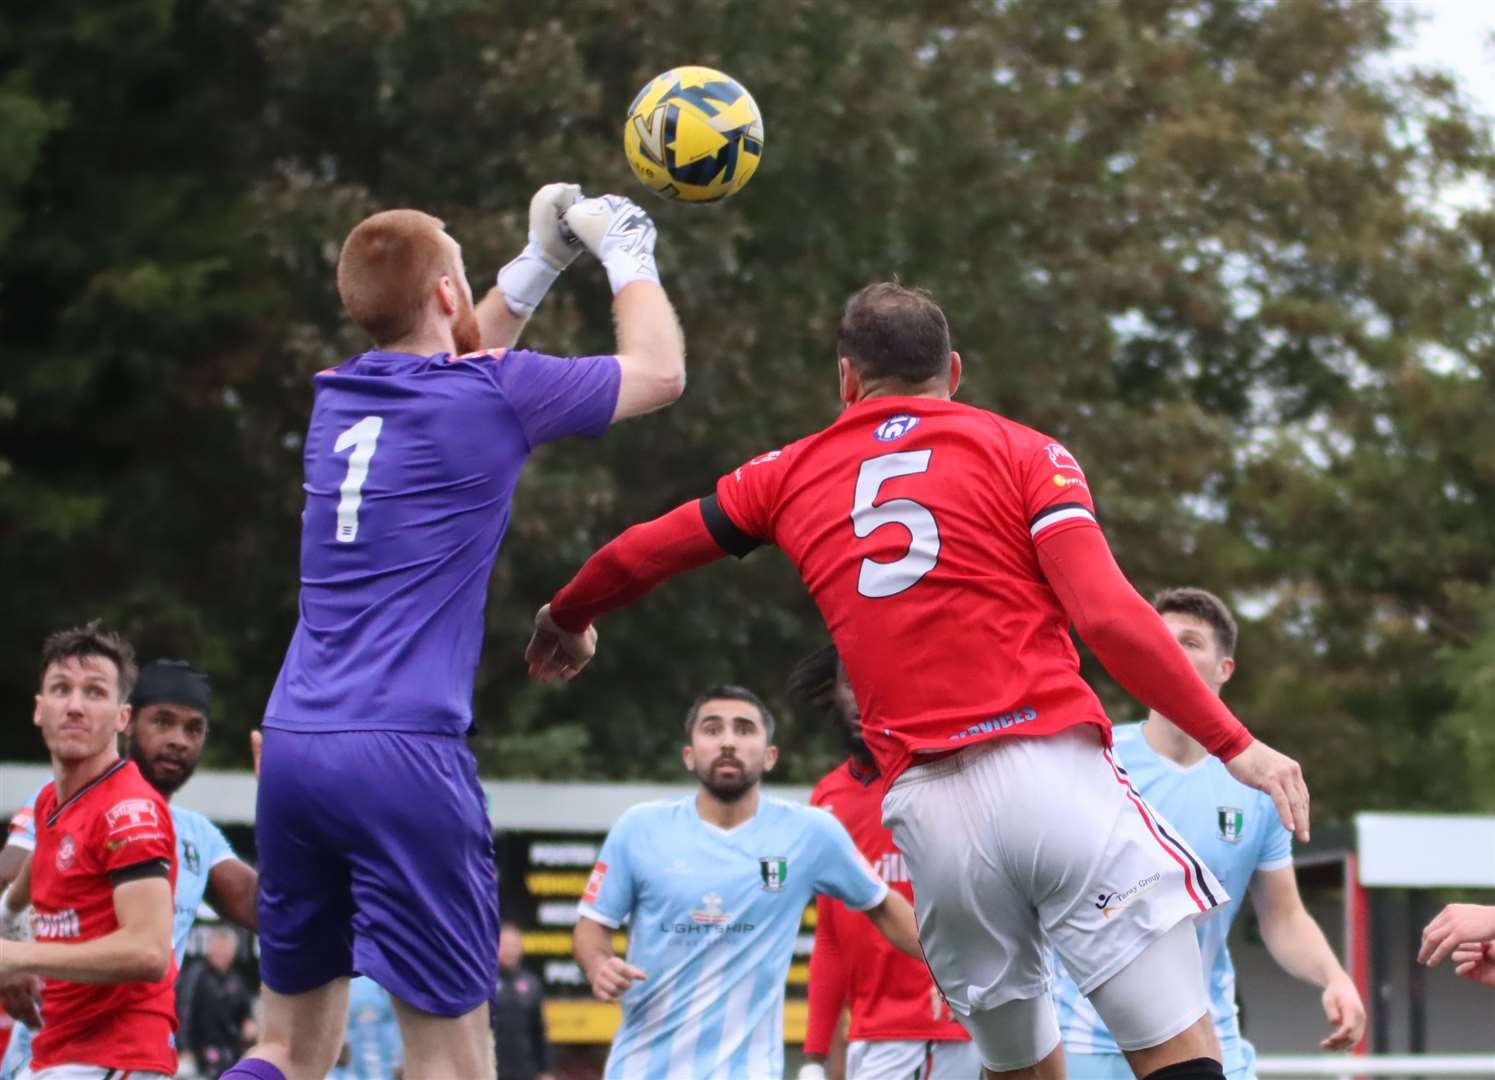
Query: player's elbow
[[674, 387], [651, 380], [149, 960], [668, 363], [669, 383], [1104, 627]]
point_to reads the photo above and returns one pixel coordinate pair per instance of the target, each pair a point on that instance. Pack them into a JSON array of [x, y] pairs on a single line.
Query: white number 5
[[363, 437], [879, 579]]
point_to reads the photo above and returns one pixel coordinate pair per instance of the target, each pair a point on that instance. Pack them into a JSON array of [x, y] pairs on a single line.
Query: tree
[[1192, 239]]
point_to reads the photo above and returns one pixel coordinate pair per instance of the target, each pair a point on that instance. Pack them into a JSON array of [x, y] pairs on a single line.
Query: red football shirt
[[891, 995], [914, 524], [114, 826]]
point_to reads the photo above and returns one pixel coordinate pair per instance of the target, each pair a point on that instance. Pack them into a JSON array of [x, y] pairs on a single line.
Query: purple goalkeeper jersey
[[411, 463]]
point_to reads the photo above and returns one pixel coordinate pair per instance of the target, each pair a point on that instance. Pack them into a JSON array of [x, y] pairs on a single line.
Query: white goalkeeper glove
[[812, 1070], [529, 275], [620, 234]]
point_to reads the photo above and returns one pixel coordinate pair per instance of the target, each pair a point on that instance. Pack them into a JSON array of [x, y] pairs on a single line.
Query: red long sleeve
[[1132, 641], [633, 564], [827, 991]]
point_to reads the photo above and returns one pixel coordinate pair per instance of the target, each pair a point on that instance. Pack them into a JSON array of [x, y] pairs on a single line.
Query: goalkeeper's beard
[[466, 334]]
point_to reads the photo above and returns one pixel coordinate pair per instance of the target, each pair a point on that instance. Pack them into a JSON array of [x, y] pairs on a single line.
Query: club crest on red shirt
[[67, 851]]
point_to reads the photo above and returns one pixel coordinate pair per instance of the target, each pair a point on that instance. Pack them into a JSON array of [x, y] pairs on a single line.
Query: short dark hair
[[728, 692], [812, 683], [89, 641], [890, 331], [1204, 606]]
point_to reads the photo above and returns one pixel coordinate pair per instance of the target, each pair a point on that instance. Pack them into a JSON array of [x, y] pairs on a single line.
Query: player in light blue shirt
[[166, 733], [374, 1050], [1238, 833], [713, 887]]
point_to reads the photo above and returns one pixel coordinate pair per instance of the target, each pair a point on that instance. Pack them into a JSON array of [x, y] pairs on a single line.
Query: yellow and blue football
[[694, 134]]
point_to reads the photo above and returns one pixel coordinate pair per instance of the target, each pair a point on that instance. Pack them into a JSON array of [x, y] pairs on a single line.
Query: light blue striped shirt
[[1236, 831], [712, 918]]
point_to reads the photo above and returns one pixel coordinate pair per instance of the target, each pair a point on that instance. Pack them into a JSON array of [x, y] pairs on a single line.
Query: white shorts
[[88, 1072], [900, 1059], [1022, 838]]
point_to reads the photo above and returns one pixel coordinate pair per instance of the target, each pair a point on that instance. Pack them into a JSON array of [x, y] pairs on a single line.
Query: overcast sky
[[1456, 34]]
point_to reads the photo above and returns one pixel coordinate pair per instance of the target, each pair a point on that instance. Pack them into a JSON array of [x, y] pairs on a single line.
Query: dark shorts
[[376, 858]]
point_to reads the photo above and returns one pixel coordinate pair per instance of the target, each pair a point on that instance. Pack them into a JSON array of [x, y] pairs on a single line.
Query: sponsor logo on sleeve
[[131, 814], [1062, 459], [594, 883], [761, 459]]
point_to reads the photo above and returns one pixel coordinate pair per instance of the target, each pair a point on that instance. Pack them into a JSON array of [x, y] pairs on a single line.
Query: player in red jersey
[[900, 1024], [101, 879], [949, 550]]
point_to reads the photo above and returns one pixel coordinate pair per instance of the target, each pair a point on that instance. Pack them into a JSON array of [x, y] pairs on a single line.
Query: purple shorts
[[376, 858]]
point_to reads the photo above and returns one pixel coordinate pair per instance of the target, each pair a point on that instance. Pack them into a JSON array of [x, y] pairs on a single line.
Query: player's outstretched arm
[[139, 951], [624, 570], [650, 346], [525, 279], [1456, 925], [1299, 947], [608, 973], [894, 919], [554, 653], [1134, 644]]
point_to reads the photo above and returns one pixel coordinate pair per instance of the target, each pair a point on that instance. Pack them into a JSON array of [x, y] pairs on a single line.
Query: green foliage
[[1192, 238]]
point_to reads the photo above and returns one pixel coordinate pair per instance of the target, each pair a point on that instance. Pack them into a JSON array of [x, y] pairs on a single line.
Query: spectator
[[374, 1050], [220, 1017], [517, 1014]]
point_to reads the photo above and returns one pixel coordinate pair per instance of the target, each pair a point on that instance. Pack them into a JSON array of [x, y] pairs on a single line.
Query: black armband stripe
[[140, 871], [724, 530]]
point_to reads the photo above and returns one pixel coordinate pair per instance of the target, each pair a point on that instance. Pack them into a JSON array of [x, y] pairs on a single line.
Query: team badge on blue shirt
[[1231, 821], [775, 871]]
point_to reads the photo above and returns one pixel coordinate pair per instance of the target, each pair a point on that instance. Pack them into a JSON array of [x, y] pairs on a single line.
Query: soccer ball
[[693, 134]]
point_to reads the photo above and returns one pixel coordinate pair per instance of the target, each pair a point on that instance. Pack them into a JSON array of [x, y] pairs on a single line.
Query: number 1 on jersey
[[880, 579], [363, 437]]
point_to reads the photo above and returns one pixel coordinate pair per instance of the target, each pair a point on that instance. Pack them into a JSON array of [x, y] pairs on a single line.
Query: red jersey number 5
[[880, 579]]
